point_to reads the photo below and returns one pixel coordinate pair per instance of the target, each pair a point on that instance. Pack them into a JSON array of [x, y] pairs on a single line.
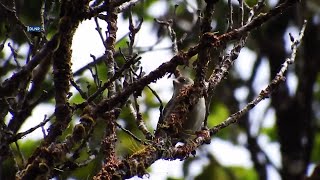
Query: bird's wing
[[165, 112]]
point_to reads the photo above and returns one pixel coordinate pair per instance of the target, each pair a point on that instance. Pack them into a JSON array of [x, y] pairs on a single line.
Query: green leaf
[[242, 173], [218, 114], [316, 148], [27, 147], [270, 132], [76, 99], [251, 3]]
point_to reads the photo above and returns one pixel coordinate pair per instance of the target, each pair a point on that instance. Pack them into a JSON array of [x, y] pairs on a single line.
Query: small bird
[[195, 117]]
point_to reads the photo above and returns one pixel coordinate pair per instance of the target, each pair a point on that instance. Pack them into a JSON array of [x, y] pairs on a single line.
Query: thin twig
[[98, 29], [172, 33], [22, 134], [140, 123], [97, 61], [158, 98], [280, 77], [112, 79], [241, 9], [131, 134], [96, 74], [11, 14], [15, 55], [20, 153], [255, 9], [128, 77], [230, 13], [126, 5], [75, 85], [42, 17]]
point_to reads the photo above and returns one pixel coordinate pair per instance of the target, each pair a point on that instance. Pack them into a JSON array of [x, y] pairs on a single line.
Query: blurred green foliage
[[185, 21], [315, 157]]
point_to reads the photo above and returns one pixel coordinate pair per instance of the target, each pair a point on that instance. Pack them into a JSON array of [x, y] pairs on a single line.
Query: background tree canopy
[[100, 126]]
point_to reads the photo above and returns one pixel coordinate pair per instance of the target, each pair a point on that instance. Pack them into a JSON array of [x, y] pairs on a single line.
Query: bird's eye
[[182, 79]]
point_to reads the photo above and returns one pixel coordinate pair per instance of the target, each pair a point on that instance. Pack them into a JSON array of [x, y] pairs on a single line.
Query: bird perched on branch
[[195, 116]]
